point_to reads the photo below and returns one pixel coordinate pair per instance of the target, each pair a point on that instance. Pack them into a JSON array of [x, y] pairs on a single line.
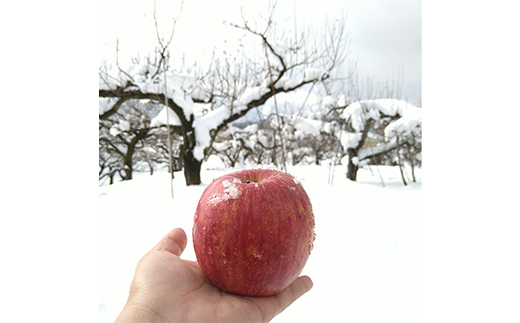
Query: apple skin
[[253, 231]]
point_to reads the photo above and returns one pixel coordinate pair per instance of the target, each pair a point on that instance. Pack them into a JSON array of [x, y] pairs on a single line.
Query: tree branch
[[123, 94]]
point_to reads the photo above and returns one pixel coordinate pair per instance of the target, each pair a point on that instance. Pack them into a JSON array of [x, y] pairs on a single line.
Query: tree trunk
[[151, 168], [128, 174], [411, 163], [402, 173], [352, 168], [128, 158], [353, 152], [128, 165], [191, 168], [400, 162]]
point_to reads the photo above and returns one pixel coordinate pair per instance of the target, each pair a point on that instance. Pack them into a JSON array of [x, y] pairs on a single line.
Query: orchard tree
[[399, 120], [206, 102], [132, 139], [121, 137], [309, 138], [234, 144], [406, 132]]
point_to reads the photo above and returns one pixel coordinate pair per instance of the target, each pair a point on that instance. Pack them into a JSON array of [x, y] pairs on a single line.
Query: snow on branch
[[161, 118], [358, 112], [404, 120], [144, 79], [406, 127]]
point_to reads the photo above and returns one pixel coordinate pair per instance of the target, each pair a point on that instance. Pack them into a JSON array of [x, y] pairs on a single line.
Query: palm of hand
[[172, 290]]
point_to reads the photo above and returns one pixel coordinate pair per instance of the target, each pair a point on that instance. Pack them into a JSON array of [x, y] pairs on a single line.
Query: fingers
[[274, 305], [174, 242], [299, 287]]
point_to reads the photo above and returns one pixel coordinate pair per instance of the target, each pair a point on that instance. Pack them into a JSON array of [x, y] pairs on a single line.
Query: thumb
[[174, 242]]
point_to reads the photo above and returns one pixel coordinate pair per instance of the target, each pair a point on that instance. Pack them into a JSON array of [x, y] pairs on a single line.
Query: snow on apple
[[231, 191]]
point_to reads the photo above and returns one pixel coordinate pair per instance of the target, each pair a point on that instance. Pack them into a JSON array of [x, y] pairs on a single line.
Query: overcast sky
[[385, 35]]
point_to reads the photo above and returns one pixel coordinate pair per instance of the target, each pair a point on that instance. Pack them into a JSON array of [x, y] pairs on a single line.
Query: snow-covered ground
[[366, 262]]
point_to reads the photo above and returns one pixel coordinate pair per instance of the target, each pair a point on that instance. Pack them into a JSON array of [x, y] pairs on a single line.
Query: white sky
[[385, 35]]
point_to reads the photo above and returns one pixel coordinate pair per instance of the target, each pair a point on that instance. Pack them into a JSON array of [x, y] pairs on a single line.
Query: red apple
[[253, 231]]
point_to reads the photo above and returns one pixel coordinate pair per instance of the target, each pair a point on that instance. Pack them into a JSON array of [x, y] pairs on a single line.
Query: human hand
[[166, 288]]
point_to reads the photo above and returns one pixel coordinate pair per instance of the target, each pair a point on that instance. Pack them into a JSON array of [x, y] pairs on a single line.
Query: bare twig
[[280, 131], [164, 45]]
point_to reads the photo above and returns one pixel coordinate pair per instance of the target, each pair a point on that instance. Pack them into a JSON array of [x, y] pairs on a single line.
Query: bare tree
[[383, 119], [121, 137], [229, 88], [128, 142], [407, 134]]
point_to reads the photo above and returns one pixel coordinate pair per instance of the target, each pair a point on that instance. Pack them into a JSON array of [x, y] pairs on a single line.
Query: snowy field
[[366, 262]]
